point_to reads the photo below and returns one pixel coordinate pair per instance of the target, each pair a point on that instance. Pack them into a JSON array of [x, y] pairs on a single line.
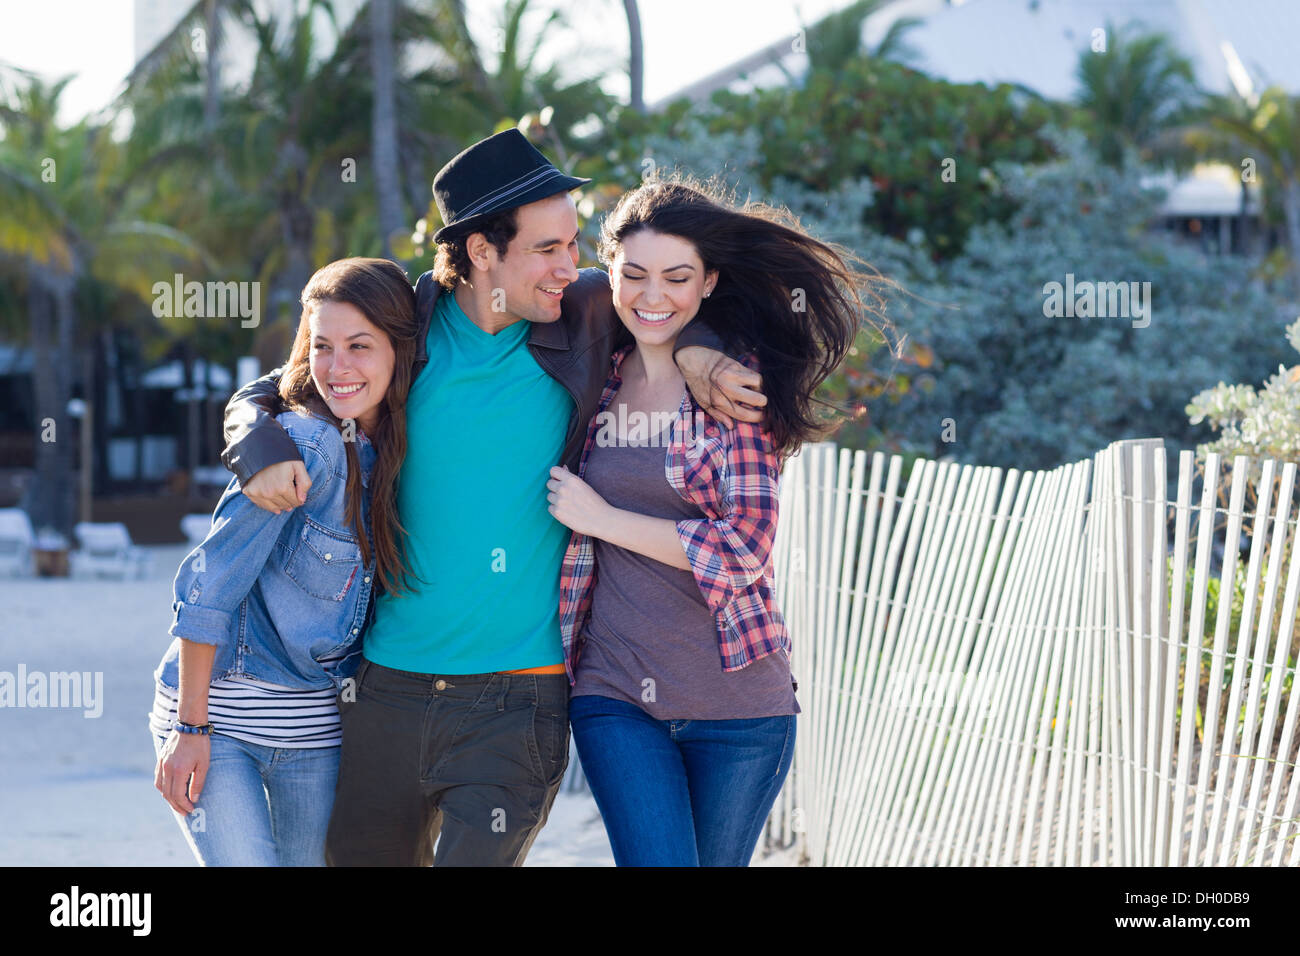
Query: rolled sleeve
[[731, 552], [203, 625]]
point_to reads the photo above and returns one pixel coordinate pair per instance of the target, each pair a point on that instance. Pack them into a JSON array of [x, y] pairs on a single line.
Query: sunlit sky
[[684, 39]]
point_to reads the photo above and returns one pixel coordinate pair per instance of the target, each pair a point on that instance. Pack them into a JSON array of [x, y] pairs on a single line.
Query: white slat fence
[[995, 670]]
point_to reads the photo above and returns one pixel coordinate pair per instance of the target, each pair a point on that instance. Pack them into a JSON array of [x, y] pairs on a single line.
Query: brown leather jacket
[[575, 350]]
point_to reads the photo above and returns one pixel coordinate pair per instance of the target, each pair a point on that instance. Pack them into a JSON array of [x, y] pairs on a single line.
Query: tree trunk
[[50, 500], [1291, 215], [297, 231], [1244, 244], [190, 383], [90, 407], [383, 122], [108, 398], [465, 51], [297, 222], [418, 194], [211, 418], [297, 234], [212, 66], [636, 60]]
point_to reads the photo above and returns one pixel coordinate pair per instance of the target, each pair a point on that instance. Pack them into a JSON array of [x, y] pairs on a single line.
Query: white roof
[[1037, 43], [1212, 189]]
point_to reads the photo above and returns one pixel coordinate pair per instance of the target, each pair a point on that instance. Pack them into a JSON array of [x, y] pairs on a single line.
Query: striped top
[[267, 714]]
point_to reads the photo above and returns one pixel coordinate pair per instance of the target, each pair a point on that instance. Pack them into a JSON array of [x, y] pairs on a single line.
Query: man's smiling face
[[540, 261]]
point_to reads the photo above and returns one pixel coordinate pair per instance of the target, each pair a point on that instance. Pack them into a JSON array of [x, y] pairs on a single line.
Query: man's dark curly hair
[[452, 262]]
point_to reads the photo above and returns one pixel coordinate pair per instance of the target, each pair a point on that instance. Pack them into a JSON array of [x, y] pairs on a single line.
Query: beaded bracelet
[[192, 728]]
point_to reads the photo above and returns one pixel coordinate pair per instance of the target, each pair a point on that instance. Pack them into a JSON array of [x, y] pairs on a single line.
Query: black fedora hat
[[495, 174]]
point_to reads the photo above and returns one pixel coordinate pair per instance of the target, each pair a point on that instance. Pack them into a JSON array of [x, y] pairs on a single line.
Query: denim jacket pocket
[[323, 562]]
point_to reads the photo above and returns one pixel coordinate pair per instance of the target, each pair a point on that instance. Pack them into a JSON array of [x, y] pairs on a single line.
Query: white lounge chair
[[195, 527], [107, 549], [211, 476], [16, 542]]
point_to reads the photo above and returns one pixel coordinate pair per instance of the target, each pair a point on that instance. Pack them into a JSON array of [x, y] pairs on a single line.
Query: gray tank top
[[651, 638]]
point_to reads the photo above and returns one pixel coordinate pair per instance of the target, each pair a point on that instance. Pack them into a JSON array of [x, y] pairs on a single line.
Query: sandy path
[[79, 791]]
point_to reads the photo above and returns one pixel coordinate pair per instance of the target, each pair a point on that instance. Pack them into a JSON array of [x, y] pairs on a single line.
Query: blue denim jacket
[[279, 593]]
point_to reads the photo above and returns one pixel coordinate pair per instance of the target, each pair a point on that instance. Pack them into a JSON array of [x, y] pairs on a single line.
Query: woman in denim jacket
[[269, 609]]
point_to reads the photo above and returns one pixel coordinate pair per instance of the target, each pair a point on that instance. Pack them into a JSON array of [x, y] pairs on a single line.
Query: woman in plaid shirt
[[683, 704]]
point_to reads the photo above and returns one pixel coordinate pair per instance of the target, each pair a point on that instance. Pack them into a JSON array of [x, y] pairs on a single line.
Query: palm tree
[[1265, 128], [463, 100], [66, 226], [1137, 95], [459, 98], [636, 56], [836, 39], [520, 85], [288, 138], [212, 10], [383, 125], [455, 37]]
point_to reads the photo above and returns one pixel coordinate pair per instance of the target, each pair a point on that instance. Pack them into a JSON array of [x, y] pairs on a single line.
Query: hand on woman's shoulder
[[749, 442], [319, 442]]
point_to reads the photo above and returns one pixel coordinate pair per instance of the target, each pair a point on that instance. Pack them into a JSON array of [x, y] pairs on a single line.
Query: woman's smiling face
[[351, 362], [658, 282]]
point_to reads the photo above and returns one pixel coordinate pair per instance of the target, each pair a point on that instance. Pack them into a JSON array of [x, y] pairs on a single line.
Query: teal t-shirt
[[484, 426]]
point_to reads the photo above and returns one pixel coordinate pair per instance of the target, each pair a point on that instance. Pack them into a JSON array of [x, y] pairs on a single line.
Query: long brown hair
[[383, 293], [793, 300]]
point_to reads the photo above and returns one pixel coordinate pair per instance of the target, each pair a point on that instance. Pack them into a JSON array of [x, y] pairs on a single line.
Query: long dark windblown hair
[[794, 301], [383, 293]]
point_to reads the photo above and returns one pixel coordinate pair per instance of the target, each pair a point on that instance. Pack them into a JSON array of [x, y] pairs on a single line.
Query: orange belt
[[548, 669]]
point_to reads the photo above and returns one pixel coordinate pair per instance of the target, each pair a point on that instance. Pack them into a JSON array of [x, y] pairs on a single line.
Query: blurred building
[[1036, 43]]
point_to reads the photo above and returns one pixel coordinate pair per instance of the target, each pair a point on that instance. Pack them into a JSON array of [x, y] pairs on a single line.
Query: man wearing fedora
[[460, 720]]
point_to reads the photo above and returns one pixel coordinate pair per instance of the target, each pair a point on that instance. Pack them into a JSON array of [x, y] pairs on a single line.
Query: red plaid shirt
[[731, 475]]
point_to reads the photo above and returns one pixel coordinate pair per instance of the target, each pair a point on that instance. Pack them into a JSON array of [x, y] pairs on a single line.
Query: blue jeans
[[680, 792], [261, 806]]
